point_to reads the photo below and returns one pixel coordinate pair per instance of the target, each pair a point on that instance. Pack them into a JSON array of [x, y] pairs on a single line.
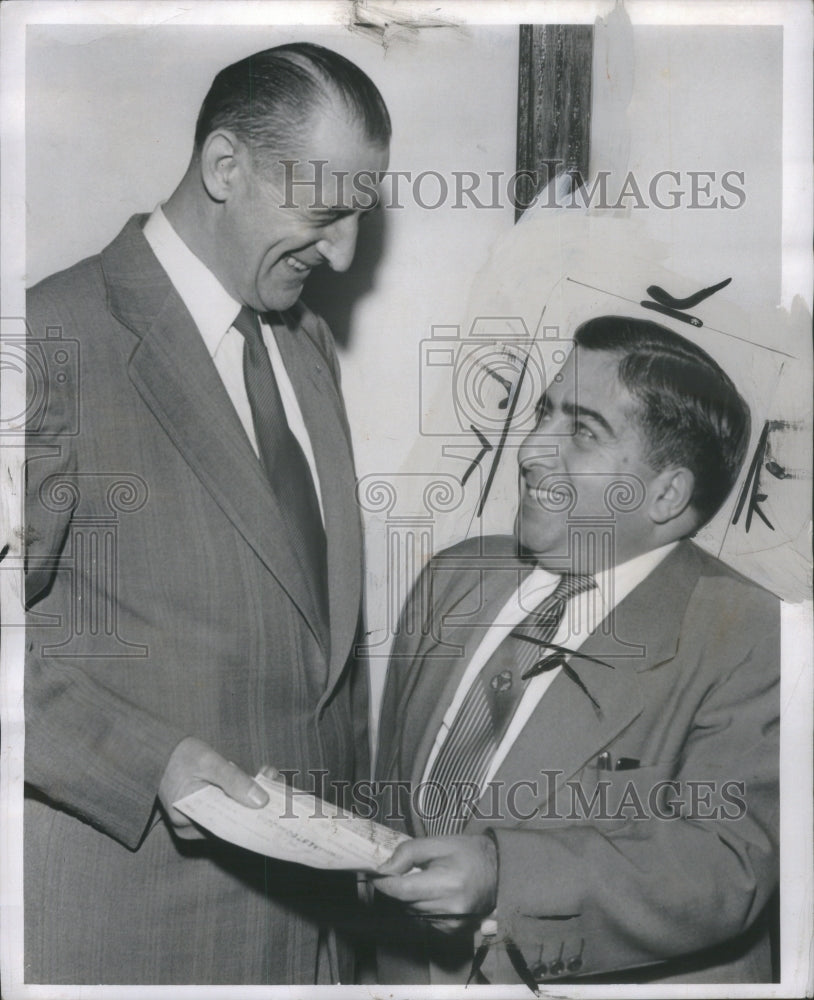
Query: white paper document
[[293, 826]]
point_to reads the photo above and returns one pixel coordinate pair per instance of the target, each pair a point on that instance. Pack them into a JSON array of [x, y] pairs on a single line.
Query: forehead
[[592, 375], [336, 161], [590, 382], [335, 132]]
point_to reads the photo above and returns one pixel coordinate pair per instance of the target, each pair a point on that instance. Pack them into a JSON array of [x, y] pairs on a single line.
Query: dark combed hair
[[268, 99], [689, 411]]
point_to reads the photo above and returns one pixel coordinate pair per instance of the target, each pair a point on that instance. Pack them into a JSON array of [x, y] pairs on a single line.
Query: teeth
[[543, 495], [296, 264]]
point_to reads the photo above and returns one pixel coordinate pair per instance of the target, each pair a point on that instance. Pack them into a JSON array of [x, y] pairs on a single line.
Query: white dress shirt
[[584, 613], [214, 311]]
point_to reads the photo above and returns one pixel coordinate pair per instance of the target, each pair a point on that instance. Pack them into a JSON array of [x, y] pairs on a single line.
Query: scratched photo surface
[[595, 161]]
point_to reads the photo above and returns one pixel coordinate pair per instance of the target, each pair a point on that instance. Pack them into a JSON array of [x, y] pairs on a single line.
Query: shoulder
[[720, 584], [84, 290], [453, 568], [480, 548], [71, 289], [728, 616]]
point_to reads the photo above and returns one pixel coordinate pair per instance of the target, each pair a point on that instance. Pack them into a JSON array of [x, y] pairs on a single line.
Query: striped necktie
[[283, 460], [487, 709]]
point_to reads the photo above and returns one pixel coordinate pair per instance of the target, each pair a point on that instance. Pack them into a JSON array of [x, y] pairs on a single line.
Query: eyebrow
[[367, 203], [575, 411], [331, 211]]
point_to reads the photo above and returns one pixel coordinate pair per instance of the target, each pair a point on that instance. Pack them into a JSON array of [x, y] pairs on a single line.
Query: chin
[[539, 547], [533, 536], [278, 295], [278, 303]]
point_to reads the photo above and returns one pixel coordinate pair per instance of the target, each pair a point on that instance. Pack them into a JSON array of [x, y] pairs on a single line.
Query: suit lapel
[[324, 417], [174, 373], [566, 730], [643, 630]]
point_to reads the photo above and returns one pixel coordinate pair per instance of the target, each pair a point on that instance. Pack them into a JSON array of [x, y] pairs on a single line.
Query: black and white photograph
[[405, 534]]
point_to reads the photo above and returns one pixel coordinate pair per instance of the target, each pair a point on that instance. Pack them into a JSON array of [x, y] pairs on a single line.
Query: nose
[[533, 452], [338, 243], [542, 446]]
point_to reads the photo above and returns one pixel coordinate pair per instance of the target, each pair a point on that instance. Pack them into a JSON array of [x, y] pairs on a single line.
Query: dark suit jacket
[[692, 697], [165, 601]]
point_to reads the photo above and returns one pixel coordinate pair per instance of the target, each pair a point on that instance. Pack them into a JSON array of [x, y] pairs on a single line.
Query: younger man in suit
[[587, 724]]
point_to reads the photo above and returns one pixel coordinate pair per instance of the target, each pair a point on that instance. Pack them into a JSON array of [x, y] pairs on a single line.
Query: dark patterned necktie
[[487, 709], [283, 460]]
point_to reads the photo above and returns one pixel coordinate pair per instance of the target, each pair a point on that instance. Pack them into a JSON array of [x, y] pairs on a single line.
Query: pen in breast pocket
[[604, 762]]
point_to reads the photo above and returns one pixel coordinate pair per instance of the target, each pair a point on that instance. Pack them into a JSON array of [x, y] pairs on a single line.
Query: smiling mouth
[[542, 496], [297, 265], [551, 498]]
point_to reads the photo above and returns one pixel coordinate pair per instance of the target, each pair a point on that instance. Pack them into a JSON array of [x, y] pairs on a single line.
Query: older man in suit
[[587, 723], [194, 558]]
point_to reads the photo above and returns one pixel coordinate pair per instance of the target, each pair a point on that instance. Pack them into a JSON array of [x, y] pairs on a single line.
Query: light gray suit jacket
[[165, 601], [688, 693]]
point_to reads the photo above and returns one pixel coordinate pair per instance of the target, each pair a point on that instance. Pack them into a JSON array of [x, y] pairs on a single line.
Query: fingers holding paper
[[194, 765], [446, 880]]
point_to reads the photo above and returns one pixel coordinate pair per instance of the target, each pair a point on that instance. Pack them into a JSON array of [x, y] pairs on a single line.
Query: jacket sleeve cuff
[[534, 880]]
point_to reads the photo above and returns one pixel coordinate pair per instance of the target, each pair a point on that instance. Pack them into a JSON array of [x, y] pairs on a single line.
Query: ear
[[222, 158], [670, 494]]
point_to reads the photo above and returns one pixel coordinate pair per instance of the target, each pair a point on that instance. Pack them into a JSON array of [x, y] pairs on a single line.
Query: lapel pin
[[502, 681]]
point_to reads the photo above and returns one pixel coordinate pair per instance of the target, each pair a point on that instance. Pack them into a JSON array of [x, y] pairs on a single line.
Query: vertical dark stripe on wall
[[553, 106]]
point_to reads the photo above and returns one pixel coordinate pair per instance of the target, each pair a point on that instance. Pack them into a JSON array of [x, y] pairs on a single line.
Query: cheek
[[575, 458], [270, 260]]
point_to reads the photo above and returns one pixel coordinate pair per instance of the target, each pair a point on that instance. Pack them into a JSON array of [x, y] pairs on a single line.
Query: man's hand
[[194, 764], [457, 878]]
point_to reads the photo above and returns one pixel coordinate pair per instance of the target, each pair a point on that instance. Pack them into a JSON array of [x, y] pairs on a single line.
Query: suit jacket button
[[540, 970], [574, 964], [556, 968]]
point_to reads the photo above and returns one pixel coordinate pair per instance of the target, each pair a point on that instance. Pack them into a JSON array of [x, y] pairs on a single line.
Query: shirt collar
[[212, 308], [618, 580]]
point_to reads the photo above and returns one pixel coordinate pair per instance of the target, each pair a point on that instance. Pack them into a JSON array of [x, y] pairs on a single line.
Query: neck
[[191, 214], [564, 565]]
